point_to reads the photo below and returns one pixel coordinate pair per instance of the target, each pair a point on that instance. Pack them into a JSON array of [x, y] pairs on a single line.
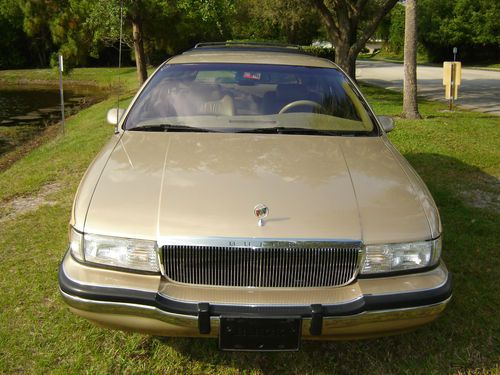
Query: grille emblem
[[261, 211]]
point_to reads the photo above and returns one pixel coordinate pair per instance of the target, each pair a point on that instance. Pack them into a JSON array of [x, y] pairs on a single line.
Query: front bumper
[[149, 304]]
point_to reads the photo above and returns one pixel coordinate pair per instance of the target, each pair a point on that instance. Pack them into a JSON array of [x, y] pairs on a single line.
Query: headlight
[[115, 251], [401, 256]]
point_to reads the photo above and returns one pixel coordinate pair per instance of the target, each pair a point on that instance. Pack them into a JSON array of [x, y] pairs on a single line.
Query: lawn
[[457, 154], [102, 77]]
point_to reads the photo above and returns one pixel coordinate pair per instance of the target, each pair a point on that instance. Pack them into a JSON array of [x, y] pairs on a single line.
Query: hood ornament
[[261, 211]]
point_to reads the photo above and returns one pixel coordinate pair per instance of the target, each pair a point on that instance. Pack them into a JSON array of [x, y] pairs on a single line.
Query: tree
[[410, 104], [12, 36], [36, 25], [104, 24], [158, 26], [55, 26], [395, 41], [349, 25], [471, 25], [135, 14], [286, 21]]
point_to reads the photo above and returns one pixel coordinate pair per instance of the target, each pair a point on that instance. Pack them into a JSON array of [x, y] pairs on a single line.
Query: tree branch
[[372, 25], [358, 8], [328, 17]]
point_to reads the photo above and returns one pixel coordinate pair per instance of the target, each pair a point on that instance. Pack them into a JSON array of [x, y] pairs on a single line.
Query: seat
[[222, 107]]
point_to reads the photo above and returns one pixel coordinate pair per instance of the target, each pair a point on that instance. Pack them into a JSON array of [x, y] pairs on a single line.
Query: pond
[[26, 111]]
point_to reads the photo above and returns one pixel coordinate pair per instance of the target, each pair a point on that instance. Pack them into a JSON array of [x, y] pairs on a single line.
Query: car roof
[[250, 53]]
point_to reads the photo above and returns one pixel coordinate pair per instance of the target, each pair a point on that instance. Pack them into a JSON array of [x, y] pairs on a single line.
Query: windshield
[[250, 98]]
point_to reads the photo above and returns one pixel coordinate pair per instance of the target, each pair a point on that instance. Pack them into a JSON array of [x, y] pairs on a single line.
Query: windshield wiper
[[170, 128], [287, 130]]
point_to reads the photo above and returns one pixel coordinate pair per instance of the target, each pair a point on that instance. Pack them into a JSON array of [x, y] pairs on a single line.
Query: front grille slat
[[271, 267]]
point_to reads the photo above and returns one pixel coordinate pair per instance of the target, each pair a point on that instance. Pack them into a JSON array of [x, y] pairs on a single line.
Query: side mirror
[[114, 115], [386, 122]]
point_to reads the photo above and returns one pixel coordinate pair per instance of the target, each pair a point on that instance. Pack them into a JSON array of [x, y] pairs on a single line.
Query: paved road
[[480, 89]]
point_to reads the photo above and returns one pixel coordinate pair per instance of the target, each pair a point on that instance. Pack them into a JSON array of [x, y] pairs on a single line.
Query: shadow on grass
[[462, 339], [4, 146]]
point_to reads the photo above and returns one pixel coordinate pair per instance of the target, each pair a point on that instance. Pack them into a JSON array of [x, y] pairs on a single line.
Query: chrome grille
[[276, 267]]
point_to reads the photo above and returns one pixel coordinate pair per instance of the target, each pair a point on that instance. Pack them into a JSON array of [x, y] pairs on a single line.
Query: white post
[[61, 68]]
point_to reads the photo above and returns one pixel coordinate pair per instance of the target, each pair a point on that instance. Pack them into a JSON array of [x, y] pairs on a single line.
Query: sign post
[[61, 68], [452, 77]]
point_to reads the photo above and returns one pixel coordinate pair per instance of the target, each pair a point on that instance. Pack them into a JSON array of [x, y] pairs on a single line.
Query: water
[[23, 105], [27, 110]]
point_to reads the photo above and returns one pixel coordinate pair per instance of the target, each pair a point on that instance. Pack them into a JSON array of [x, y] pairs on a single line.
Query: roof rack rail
[[247, 44]]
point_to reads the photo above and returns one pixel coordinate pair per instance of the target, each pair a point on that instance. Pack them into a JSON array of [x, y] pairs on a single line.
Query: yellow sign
[[452, 78]]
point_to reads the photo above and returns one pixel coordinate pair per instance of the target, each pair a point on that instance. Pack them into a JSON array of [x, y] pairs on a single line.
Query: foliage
[[397, 29], [470, 25], [11, 34], [325, 53], [292, 21], [86, 32], [82, 29], [168, 27]]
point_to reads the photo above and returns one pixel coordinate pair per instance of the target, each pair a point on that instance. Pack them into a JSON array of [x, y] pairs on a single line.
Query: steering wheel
[[298, 103]]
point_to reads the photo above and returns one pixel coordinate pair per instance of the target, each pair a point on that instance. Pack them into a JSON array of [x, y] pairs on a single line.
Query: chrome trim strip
[[257, 243], [104, 307]]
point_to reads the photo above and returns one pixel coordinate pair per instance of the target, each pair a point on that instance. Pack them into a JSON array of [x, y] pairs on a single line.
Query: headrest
[[223, 107], [206, 91]]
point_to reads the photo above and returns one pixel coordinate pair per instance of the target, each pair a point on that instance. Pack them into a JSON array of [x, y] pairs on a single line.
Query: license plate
[[259, 334]]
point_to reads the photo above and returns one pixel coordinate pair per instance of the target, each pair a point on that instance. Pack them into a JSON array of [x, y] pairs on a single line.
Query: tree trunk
[[345, 59], [342, 19], [140, 58], [410, 105]]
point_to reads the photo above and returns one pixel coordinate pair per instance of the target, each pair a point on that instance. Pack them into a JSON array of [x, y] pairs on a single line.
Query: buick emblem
[[261, 211]]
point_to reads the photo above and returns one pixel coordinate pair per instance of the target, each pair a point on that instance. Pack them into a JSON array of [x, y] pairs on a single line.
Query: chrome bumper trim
[[107, 307], [188, 321]]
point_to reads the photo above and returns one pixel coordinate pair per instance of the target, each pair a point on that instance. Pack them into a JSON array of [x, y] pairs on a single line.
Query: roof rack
[[246, 44]]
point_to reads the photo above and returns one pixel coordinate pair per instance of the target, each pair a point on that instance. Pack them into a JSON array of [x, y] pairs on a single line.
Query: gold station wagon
[[250, 193]]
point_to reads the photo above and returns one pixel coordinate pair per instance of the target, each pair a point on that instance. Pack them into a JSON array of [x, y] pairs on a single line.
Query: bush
[[325, 53]]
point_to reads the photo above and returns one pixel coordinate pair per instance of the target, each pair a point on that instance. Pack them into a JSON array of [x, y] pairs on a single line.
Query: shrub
[[326, 53]]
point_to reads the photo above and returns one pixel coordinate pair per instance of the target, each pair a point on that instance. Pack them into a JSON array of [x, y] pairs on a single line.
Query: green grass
[[103, 77], [453, 152], [387, 56], [487, 66]]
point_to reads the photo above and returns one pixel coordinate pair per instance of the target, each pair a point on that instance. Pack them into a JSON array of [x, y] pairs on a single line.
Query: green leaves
[[470, 25]]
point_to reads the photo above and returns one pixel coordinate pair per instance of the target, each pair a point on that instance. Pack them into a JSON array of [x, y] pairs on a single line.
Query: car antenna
[[119, 65]]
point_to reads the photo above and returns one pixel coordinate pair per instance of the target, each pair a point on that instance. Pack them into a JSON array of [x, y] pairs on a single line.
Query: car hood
[[158, 185]]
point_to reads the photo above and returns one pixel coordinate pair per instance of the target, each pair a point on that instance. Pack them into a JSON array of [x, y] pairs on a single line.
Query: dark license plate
[[259, 334]]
